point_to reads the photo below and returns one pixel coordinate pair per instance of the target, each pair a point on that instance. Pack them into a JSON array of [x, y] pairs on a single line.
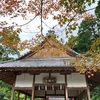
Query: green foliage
[[95, 94], [37, 98], [72, 41], [97, 13], [88, 40], [2, 96], [74, 4], [86, 34], [97, 10], [5, 91], [5, 52]]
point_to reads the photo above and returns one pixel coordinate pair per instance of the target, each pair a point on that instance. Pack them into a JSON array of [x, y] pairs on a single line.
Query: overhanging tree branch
[[75, 16], [30, 20], [42, 25]]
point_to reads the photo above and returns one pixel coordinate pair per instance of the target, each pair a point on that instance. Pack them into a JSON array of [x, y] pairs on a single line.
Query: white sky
[[30, 29]]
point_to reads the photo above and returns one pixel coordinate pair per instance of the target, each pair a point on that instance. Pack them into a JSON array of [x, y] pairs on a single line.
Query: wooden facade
[[46, 73], [63, 85]]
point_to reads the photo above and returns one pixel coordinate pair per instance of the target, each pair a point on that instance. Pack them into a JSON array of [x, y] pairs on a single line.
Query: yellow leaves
[[48, 47], [10, 37], [31, 43], [9, 6], [96, 46], [68, 10], [87, 64], [88, 17], [90, 61]]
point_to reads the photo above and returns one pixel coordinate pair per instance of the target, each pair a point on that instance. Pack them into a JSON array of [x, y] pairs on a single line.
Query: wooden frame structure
[[57, 87], [47, 72]]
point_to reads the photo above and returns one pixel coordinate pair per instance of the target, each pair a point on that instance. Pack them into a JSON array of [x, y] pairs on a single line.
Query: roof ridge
[[56, 58], [74, 51], [2, 62]]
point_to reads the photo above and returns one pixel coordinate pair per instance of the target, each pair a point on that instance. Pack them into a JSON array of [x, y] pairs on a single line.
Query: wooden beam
[[23, 88]]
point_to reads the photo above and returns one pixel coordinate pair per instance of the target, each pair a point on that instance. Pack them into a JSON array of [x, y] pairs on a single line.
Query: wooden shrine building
[[46, 73]]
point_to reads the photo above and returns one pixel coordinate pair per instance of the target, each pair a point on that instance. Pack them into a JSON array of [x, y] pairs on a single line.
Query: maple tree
[[6, 52], [66, 12], [95, 94], [88, 43], [10, 37], [86, 29]]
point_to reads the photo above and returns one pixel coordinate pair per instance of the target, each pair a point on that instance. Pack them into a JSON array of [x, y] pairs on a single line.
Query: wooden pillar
[[66, 89], [12, 94], [32, 97], [66, 93], [88, 93], [88, 90]]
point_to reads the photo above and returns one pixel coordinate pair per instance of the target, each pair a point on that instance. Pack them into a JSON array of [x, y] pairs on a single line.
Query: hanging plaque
[[49, 80]]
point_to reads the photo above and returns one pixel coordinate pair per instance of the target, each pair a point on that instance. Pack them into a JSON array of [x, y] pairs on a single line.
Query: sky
[[30, 30]]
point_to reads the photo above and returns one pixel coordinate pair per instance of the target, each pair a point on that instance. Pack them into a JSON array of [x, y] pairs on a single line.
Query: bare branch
[[75, 16], [46, 25], [29, 21], [42, 25]]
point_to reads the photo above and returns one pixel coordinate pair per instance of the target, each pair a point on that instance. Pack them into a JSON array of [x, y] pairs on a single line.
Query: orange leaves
[[9, 37], [31, 43], [64, 11], [96, 46], [87, 64], [88, 17], [9, 6], [69, 10]]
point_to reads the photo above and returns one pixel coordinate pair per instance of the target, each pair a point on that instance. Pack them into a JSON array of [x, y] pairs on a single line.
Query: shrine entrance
[[53, 86], [44, 73]]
